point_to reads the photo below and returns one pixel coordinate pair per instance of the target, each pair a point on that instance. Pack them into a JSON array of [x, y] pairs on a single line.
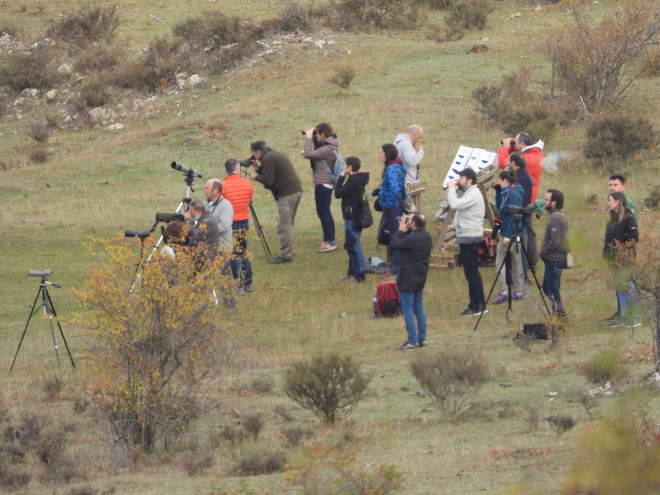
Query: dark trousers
[[392, 224], [469, 258], [239, 260], [323, 197], [551, 283]]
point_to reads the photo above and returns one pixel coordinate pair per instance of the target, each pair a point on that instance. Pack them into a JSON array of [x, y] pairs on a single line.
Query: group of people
[[222, 221]]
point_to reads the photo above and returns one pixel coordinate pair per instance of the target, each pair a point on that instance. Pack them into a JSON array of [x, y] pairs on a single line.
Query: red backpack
[[387, 301]]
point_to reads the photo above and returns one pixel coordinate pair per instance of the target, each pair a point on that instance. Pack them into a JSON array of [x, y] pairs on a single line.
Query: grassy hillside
[[100, 182]]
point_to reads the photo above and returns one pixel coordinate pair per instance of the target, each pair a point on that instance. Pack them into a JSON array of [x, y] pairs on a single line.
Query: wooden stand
[[445, 247]]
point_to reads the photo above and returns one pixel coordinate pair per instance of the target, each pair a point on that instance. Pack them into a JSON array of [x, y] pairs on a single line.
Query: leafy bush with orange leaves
[[154, 348]]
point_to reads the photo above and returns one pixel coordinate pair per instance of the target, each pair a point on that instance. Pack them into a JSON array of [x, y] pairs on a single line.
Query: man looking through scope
[[277, 174]]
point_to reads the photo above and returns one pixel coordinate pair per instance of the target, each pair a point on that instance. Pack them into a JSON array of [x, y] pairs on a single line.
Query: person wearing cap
[[470, 210]]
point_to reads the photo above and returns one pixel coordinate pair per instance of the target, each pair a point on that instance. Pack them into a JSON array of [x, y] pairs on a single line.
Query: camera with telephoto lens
[[247, 162]]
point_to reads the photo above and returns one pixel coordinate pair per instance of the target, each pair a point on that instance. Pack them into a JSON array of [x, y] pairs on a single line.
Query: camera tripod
[[49, 310], [507, 263], [189, 179], [260, 233]]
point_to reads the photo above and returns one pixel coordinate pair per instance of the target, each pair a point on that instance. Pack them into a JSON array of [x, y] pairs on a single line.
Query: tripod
[[189, 179], [49, 310], [260, 232], [507, 261]]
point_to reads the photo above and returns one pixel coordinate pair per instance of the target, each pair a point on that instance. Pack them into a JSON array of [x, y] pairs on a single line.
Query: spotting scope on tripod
[[49, 311]]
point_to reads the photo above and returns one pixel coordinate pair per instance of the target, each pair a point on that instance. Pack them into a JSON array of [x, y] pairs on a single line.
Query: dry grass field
[[99, 182]]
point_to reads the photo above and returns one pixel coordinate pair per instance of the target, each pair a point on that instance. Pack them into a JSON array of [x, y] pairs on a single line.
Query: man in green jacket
[[277, 174]]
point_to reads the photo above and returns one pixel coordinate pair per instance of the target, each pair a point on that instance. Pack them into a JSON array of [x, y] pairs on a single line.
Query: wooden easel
[[445, 241]]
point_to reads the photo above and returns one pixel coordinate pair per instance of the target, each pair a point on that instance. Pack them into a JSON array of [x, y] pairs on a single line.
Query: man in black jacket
[[414, 244], [276, 172]]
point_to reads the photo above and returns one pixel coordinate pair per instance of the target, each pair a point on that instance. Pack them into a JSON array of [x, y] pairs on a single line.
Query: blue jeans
[[412, 307], [625, 292], [353, 247], [392, 224], [239, 260], [551, 283], [323, 197]]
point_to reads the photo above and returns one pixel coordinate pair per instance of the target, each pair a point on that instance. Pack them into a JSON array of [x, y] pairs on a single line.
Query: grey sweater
[[555, 241]]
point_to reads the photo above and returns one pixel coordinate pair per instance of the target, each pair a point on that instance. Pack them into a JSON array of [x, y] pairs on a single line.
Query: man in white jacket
[[410, 151], [470, 210]]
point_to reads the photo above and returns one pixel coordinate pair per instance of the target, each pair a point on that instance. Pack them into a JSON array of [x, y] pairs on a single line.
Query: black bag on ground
[[536, 331]]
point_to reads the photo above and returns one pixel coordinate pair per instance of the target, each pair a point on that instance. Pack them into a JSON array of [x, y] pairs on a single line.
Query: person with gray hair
[[410, 151], [203, 230], [277, 174], [222, 210]]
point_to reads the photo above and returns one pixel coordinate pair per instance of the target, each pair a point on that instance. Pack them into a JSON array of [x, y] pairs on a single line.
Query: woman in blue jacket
[[391, 196]]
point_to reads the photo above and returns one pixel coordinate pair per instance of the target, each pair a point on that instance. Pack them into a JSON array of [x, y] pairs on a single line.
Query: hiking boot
[[467, 312], [619, 322], [501, 297], [615, 316], [406, 347], [325, 247], [422, 344], [248, 288], [241, 291], [280, 259], [517, 295]]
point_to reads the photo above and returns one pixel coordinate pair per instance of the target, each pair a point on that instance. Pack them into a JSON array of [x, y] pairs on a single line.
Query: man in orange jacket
[[238, 191]]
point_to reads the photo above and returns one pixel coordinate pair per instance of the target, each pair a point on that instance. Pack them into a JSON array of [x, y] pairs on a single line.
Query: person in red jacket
[[238, 191], [532, 153]]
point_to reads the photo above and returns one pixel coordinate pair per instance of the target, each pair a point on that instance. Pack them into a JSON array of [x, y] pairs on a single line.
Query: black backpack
[[363, 217]]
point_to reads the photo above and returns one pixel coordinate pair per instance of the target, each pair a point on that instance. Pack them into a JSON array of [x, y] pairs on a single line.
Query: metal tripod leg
[[52, 313], [497, 276], [260, 232]]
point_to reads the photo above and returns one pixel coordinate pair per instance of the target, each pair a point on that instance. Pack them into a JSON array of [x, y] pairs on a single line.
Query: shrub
[[253, 424], [156, 346], [619, 455], [596, 62], [100, 57], [329, 385], [333, 471], [602, 368], [38, 131], [52, 387], [95, 92], [618, 138], [13, 478], [466, 15], [343, 76], [653, 199], [295, 434], [258, 462], [644, 267], [88, 24], [36, 68], [39, 154], [160, 61], [379, 14], [450, 378]]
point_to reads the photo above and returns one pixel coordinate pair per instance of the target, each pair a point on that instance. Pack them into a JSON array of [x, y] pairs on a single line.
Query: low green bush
[[466, 15], [329, 385], [450, 378], [618, 137]]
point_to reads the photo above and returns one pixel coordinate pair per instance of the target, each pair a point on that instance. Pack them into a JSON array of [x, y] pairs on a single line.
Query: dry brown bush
[[595, 62], [88, 24]]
